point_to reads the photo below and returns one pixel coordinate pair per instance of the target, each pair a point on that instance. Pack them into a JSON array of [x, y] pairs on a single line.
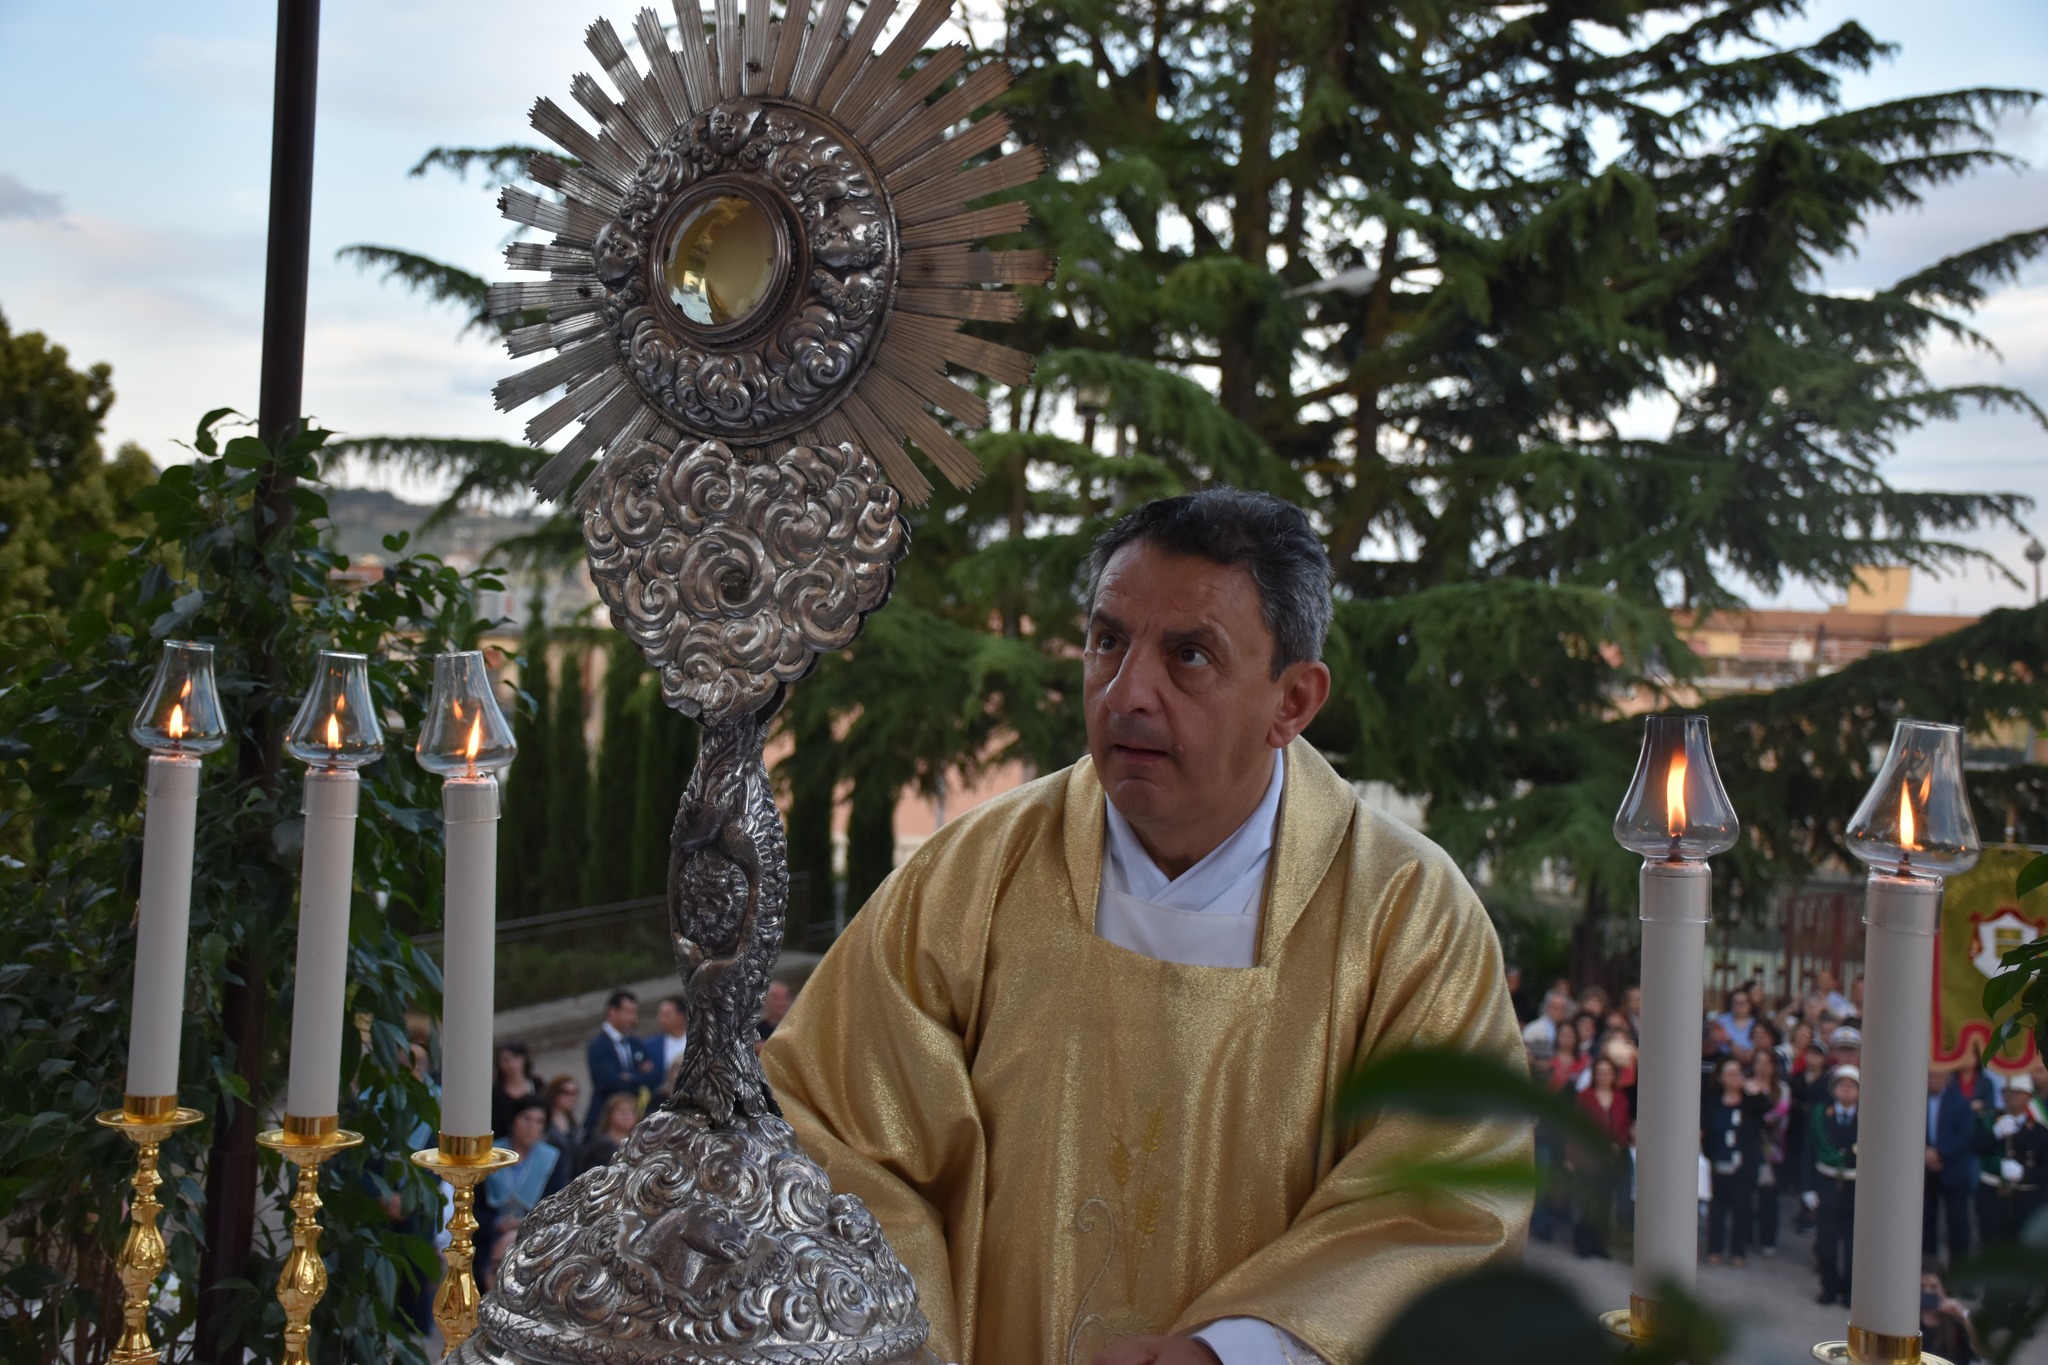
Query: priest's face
[[1184, 712]]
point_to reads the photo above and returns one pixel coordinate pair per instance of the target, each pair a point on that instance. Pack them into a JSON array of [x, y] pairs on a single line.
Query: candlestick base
[[146, 1123], [1622, 1323], [457, 1300], [1881, 1350], [303, 1281], [1635, 1324]]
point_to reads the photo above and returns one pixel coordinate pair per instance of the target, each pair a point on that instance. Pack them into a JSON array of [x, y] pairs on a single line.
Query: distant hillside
[[362, 517]]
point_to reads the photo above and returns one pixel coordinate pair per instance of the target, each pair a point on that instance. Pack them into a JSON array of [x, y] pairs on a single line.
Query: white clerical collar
[[1214, 883]]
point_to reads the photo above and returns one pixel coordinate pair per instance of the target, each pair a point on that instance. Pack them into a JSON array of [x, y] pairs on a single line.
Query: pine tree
[[668, 751], [527, 781], [1411, 266], [870, 836], [567, 835], [607, 875], [811, 776]]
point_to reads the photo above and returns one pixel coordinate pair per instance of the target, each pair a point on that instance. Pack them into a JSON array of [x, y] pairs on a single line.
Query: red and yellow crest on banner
[[1982, 919]]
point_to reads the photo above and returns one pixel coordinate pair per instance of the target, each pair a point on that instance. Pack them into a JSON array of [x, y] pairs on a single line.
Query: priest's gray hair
[[1269, 537]]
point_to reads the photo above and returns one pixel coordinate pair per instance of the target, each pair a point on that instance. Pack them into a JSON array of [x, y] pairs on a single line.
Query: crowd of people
[[557, 1133], [1779, 1086]]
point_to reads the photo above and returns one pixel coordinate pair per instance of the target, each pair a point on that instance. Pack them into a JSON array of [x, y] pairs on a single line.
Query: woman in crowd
[[1792, 1052], [1593, 1001], [614, 1124], [1945, 1326], [1738, 1019], [1764, 1037], [563, 1098], [515, 1084], [1772, 1171], [1585, 1041], [1732, 1137], [511, 1192], [1603, 1103]]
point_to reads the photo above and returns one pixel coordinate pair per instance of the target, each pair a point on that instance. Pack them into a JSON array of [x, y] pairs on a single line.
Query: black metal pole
[[231, 1168], [291, 217]]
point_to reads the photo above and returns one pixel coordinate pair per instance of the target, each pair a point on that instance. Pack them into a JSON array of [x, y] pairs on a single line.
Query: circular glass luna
[[722, 260]]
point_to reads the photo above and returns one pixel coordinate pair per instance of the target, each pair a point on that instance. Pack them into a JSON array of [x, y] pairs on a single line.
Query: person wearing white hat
[[2013, 1149], [1830, 1183]]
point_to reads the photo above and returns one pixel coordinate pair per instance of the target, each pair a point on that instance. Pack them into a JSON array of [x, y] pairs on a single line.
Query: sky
[[134, 185]]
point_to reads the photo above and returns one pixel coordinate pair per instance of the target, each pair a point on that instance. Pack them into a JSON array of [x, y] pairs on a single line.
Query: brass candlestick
[[145, 1120], [303, 1281], [1874, 1348], [463, 1162], [1633, 1323]]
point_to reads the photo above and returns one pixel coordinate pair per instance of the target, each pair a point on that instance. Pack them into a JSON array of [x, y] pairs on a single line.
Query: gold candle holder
[[306, 1143], [463, 1162], [1874, 1348], [145, 1120], [1634, 1323]]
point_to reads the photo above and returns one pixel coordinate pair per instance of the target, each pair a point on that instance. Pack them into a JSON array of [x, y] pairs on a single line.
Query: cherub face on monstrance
[[760, 266]]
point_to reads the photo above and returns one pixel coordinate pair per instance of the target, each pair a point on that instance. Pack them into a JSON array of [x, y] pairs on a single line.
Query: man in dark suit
[[619, 1063], [1951, 1177]]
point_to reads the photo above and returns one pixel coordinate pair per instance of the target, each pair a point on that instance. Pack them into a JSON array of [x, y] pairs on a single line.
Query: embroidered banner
[[1982, 919]]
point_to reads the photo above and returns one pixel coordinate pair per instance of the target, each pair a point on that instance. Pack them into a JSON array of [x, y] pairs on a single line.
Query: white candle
[[325, 878], [470, 808], [1900, 915], [1674, 916], [163, 914]]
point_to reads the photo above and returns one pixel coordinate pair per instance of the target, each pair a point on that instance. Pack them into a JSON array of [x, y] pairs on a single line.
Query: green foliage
[[667, 752], [565, 842], [607, 877], [432, 280], [63, 505], [2013, 1278], [870, 836], [482, 469], [211, 568], [1530, 1319], [524, 827], [1794, 781], [1412, 266]]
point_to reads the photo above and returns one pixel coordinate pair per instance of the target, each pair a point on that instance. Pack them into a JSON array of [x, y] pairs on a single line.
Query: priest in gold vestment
[[1078, 1054]]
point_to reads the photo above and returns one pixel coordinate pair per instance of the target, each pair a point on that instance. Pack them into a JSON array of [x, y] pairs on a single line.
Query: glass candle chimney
[[1676, 809], [336, 726], [181, 712], [465, 733], [1915, 820]]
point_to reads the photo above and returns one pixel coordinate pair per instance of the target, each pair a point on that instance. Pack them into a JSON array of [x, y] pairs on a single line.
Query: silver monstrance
[[760, 265]]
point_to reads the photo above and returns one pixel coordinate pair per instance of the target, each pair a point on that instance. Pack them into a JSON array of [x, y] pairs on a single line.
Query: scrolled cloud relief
[[733, 572]]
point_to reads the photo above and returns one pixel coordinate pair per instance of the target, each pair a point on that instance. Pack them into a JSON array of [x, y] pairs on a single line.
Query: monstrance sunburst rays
[[792, 141]]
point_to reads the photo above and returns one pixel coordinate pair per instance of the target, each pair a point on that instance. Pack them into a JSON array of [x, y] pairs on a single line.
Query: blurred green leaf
[[1442, 1083]]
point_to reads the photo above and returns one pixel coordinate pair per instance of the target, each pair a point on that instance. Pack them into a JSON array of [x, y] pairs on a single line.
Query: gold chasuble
[[1070, 1143]]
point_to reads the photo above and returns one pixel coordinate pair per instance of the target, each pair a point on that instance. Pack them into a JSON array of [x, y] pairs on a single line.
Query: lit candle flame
[[476, 740], [1674, 794], [1907, 834], [334, 731], [175, 726]]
